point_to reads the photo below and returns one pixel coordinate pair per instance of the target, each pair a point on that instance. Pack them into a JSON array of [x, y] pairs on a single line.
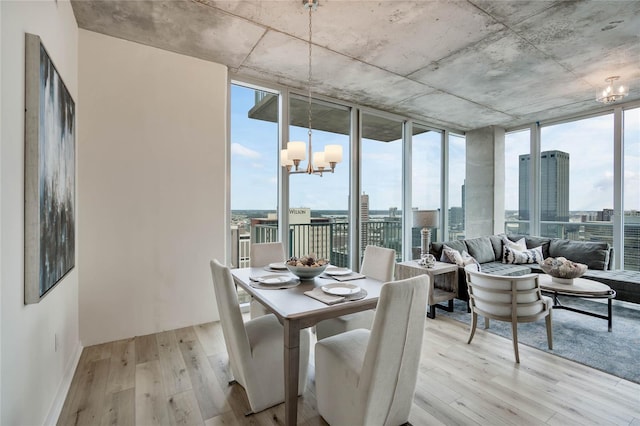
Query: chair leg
[[431, 313], [514, 332], [549, 331], [474, 322]]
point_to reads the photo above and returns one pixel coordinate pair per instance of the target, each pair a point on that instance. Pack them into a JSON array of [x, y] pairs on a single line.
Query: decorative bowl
[[562, 270], [307, 272]]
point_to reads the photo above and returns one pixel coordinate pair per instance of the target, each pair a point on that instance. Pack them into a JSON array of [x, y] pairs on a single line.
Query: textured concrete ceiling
[[460, 64]]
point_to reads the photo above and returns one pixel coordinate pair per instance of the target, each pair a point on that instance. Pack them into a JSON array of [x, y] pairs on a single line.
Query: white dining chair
[[512, 299], [368, 377], [377, 263], [262, 254], [255, 347]]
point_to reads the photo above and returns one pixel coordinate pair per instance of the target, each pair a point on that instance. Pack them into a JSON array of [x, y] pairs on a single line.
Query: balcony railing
[[331, 240]]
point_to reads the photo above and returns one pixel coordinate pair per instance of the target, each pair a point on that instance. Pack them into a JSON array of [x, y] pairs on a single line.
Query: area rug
[[579, 337]]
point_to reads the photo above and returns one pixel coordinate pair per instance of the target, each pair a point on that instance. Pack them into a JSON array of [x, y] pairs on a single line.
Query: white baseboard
[[63, 390]]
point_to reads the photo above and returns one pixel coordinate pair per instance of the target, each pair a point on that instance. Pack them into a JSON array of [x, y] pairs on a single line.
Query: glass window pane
[[254, 170], [425, 180], [319, 206], [517, 180], [576, 180], [632, 189], [381, 198], [457, 171]]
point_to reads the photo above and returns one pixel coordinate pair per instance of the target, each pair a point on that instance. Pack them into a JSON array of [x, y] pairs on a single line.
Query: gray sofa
[[487, 251]]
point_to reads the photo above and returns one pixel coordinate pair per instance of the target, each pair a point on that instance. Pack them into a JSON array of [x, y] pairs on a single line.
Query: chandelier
[[614, 91], [296, 151]]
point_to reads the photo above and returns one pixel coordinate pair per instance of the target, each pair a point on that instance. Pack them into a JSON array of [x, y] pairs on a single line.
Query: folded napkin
[[320, 295], [351, 276]]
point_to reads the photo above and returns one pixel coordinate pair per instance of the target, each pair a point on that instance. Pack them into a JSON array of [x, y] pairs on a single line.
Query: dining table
[[296, 311]]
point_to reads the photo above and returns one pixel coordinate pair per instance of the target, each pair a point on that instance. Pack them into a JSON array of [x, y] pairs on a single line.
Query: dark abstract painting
[[49, 174]]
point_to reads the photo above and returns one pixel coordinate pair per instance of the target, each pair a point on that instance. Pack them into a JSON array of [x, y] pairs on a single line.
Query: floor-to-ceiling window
[[254, 172], [517, 181], [456, 175], [631, 178], [576, 179], [381, 183], [319, 205], [426, 182]]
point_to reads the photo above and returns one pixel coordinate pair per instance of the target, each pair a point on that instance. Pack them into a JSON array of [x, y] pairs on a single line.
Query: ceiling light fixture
[[296, 151], [614, 91]]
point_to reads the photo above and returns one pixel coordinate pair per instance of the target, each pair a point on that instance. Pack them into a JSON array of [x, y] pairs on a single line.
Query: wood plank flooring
[[180, 377]]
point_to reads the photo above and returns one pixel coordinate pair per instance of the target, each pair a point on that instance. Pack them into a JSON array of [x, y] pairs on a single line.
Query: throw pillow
[[467, 259], [514, 256], [507, 244], [520, 244], [450, 255]]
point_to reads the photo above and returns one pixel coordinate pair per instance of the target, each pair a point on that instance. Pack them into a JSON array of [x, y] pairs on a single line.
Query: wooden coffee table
[[581, 287]]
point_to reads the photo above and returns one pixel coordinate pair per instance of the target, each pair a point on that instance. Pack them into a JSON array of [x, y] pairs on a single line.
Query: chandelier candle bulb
[[319, 160], [333, 153], [284, 158], [296, 151]]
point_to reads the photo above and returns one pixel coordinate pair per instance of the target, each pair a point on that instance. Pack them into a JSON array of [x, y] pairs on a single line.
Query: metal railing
[[331, 240]]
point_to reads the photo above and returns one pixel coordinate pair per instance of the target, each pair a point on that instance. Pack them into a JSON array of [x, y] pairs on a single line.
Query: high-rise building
[[364, 221], [554, 189]]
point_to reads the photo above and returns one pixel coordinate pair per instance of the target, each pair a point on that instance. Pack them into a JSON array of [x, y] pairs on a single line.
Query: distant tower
[[524, 162], [554, 188], [464, 182], [364, 221]]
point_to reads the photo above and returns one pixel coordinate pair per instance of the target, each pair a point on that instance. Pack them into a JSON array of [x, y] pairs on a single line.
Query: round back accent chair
[[512, 299]]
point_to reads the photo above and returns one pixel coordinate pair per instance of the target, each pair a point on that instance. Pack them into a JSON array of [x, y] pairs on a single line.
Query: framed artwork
[[50, 174]]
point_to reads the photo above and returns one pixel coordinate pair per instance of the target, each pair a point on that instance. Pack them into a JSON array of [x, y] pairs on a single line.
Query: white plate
[[274, 279], [339, 289], [278, 266], [337, 271]]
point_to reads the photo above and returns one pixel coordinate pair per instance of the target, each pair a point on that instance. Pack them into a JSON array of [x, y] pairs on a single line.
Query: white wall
[[151, 185], [34, 374]]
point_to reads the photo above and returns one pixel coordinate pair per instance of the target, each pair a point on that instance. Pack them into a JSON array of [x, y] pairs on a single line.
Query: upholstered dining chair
[[255, 347], [368, 377], [512, 299], [262, 254], [377, 263]]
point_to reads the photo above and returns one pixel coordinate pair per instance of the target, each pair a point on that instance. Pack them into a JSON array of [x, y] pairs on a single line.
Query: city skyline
[[254, 149]]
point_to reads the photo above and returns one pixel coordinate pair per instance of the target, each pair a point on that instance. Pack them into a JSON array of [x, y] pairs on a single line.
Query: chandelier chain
[[309, 75]]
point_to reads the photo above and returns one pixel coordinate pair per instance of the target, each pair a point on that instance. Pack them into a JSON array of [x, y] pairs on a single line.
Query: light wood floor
[[180, 377]]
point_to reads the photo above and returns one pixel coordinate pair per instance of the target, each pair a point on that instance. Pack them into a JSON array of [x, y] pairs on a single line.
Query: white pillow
[[514, 256], [450, 255], [520, 245]]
